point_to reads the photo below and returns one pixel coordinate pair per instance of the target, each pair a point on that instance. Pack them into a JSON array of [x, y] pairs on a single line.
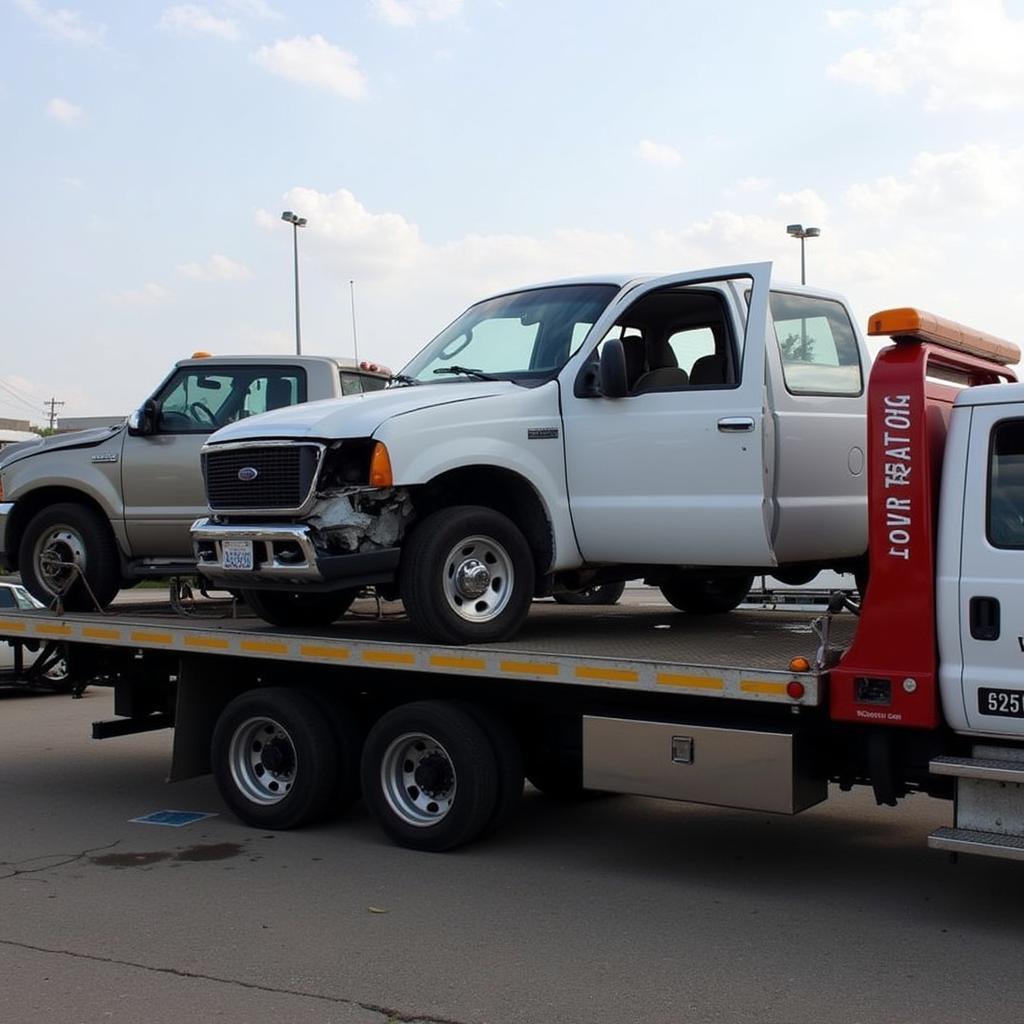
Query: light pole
[[799, 231], [296, 223]]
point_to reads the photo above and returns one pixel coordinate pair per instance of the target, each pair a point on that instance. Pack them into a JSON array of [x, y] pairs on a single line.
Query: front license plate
[[1005, 703], [237, 554]]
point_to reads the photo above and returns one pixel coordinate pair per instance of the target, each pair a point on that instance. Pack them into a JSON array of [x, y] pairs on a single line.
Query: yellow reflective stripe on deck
[[762, 686], [692, 682]]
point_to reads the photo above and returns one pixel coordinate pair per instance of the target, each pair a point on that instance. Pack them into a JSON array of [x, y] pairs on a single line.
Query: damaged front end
[[345, 531]]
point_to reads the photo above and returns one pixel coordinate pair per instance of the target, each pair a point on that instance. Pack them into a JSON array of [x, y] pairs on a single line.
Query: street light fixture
[[799, 231], [296, 223]]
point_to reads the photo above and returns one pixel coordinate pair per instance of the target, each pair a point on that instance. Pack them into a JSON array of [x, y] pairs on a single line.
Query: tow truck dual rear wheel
[[467, 576], [274, 758], [288, 608], [430, 776], [706, 595]]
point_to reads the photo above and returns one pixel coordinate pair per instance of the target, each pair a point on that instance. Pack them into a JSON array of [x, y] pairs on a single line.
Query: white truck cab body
[[980, 563], [690, 429]]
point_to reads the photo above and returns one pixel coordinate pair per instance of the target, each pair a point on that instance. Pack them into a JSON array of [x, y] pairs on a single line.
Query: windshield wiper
[[465, 371], [403, 378]]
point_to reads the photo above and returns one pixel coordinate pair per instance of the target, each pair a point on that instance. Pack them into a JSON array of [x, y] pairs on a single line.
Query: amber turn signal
[[799, 665], [380, 467]]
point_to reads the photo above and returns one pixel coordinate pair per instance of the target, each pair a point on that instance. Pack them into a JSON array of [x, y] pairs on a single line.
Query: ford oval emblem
[[248, 473]]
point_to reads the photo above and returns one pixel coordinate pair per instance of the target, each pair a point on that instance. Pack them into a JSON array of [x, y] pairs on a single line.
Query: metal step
[[978, 768], [985, 844]]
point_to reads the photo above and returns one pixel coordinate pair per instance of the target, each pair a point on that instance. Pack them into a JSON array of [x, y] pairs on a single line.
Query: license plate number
[[1005, 703], [237, 554]]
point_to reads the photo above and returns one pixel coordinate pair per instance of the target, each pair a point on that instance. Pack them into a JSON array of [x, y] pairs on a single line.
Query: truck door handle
[[736, 425], [984, 618]]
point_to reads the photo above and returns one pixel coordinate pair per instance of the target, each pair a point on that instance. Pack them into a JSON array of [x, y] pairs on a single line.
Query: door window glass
[[1006, 485], [198, 402], [353, 383], [818, 345]]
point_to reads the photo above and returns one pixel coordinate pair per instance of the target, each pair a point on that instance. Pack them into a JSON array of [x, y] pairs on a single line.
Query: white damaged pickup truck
[[689, 430]]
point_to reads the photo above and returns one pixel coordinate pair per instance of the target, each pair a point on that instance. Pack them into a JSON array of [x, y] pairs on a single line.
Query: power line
[[17, 389], [17, 398]]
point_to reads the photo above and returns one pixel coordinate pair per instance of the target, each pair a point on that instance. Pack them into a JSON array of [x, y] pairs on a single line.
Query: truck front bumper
[[285, 557], [6, 508]]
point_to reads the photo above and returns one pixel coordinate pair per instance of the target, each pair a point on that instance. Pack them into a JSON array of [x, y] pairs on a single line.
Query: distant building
[[68, 423], [14, 436], [9, 424]]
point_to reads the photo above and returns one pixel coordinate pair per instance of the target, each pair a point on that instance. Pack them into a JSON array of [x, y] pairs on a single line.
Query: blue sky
[[442, 149]]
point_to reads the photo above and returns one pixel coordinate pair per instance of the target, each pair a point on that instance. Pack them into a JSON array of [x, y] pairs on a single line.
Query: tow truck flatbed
[[641, 644]]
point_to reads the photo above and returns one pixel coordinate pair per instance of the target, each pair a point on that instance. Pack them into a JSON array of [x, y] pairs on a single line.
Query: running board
[[985, 844]]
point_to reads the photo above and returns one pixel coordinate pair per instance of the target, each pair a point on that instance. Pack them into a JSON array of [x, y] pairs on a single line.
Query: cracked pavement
[[613, 911]]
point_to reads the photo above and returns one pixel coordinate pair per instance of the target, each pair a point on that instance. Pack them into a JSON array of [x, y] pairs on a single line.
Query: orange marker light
[[906, 324], [202, 355], [799, 665], [380, 467]]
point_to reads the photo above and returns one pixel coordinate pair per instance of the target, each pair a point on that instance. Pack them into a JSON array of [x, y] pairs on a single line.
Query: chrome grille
[[283, 478]]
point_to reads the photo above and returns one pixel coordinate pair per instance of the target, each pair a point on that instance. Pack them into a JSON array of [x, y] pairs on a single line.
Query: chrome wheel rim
[[59, 557], [263, 760], [418, 779], [478, 579]]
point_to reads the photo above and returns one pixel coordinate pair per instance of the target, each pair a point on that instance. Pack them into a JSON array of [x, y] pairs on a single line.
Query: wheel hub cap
[[472, 579], [60, 558]]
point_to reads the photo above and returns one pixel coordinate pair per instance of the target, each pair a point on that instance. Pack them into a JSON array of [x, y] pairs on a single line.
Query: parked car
[[47, 663]]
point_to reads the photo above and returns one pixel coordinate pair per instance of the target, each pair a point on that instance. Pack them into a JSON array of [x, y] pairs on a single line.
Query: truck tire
[[467, 576], [508, 753], [348, 733], [708, 595], [274, 758], [62, 544], [430, 776], [600, 593], [290, 608]]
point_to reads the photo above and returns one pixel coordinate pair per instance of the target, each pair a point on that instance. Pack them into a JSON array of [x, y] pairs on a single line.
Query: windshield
[[525, 336]]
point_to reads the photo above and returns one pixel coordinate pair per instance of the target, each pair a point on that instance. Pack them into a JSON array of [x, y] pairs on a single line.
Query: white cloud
[[973, 181], [190, 18], [406, 13], [311, 60], [963, 54], [842, 18], [217, 268], [806, 206], [62, 23], [77, 184], [150, 294], [63, 111], [753, 184], [258, 9], [377, 243], [659, 153]]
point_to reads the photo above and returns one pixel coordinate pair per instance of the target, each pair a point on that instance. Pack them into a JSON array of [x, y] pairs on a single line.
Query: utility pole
[[53, 405]]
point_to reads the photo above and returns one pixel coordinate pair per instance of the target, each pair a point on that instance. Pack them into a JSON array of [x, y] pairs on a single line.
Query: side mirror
[[142, 422], [614, 383]]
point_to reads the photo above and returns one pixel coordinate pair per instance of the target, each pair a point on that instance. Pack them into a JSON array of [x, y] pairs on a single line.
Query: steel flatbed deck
[[641, 644]]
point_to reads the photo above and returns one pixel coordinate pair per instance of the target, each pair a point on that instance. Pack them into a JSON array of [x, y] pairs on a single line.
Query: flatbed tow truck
[[760, 709]]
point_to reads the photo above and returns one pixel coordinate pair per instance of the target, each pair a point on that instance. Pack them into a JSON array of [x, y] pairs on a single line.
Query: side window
[[690, 345], [7, 598], [1006, 485], [676, 339], [818, 345], [197, 402]]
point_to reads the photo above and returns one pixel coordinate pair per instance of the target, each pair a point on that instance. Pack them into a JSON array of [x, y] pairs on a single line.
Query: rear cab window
[[817, 345]]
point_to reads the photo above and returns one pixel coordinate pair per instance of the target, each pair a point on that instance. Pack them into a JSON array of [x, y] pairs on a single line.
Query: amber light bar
[[915, 325]]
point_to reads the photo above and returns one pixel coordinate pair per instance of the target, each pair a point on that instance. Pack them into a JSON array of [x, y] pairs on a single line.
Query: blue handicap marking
[[173, 819]]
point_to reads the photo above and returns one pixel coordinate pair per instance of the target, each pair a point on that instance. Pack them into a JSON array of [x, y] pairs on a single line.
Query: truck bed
[[641, 643]]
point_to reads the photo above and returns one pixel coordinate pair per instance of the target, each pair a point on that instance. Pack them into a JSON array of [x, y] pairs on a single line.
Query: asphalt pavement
[[616, 910]]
